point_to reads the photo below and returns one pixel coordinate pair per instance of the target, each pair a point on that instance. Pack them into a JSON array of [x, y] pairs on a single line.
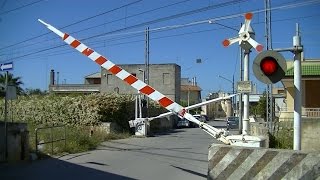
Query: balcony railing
[[311, 112], [305, 112]]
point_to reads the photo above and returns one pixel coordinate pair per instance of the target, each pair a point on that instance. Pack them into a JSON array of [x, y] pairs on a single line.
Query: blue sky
[[18, 22]]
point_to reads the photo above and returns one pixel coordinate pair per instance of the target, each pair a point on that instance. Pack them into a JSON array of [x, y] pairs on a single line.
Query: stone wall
[[17, 142], [162, 124], [283, 133], [310, 134], [259, 129]]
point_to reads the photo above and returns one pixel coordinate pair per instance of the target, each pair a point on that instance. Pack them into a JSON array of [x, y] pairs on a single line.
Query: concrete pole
[[188, 97], [147, 65], [245, 120], [57, 78], [297, 94], [240, 95], [5, 117], [140, 108], [136, 108], [233, 99]]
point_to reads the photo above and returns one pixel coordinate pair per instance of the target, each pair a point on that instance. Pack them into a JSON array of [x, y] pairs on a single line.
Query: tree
[[15, 81], [30, 91], [260, 108]]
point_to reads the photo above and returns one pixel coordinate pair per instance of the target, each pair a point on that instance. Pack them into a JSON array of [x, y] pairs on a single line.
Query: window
[[96, 81]]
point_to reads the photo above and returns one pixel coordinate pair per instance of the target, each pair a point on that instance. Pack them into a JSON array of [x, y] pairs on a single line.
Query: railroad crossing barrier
[[234, 162]]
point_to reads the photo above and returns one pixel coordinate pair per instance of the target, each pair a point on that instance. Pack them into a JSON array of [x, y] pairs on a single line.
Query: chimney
[[52, 77]]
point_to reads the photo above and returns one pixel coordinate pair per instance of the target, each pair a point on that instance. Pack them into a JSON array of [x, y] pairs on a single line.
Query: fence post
[[51, 135], [36, 130], [65, 137]]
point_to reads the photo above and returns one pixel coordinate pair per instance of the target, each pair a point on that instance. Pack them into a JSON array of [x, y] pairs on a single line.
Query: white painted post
[[245, 120], [140, 108], [297, 94], [136, 108]]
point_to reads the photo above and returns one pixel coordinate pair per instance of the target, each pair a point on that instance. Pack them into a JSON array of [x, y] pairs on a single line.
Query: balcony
[[288, 113], [75, 88]]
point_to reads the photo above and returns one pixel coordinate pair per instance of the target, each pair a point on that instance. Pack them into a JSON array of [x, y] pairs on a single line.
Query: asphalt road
[[178, 154]]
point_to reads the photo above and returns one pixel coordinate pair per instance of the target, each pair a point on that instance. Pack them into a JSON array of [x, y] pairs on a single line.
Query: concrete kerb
[[234, 162]]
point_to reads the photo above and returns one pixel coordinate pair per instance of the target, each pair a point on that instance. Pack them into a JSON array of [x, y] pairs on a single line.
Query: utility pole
[[57, 78], [146, 71], [297, 86], [6, 116], [297, 50], [240, 95], [269, 97], [245, 129]]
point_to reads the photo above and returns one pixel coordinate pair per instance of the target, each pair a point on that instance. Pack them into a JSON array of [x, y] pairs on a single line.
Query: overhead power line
[[4, 3], [212, 20], [92, 27], [86, 19], [144, 23], [77, 22], [95, 44], [15, 9], [210, 7], [92, 44]]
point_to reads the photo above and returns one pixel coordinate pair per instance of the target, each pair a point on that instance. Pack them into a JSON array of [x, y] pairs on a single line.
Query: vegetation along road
[[178, 154]]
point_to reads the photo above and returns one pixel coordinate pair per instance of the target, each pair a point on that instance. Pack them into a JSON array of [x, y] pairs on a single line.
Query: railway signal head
[[269, 67], [245, 36]]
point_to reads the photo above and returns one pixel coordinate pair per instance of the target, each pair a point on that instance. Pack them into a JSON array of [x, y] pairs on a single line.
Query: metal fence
[[52, 139]]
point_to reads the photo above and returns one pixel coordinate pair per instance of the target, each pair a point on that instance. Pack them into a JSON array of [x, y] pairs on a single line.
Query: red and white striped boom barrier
[[139, 85]]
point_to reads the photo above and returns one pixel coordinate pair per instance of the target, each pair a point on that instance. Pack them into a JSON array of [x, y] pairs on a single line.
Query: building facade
[[166, 78], [190, 92], [310, 85], [163, 77]]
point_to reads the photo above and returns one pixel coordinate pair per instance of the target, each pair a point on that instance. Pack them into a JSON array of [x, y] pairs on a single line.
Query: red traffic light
[[268, 65]]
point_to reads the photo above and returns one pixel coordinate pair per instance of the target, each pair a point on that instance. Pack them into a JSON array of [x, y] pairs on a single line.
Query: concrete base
[[247, 141], [232, 162], [141, 128]]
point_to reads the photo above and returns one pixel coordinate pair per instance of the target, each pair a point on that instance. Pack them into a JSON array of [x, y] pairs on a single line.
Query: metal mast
[[268, 46], [146, 71]]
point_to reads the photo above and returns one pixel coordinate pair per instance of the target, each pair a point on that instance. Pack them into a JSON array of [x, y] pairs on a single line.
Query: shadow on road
[[168, 132], [142, 147], [221, 127], [146, 151], [54, 169], [190, 171]]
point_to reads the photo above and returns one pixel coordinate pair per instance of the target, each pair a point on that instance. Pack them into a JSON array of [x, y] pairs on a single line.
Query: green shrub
[[77, 113], [47, 110], [283, 139]]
